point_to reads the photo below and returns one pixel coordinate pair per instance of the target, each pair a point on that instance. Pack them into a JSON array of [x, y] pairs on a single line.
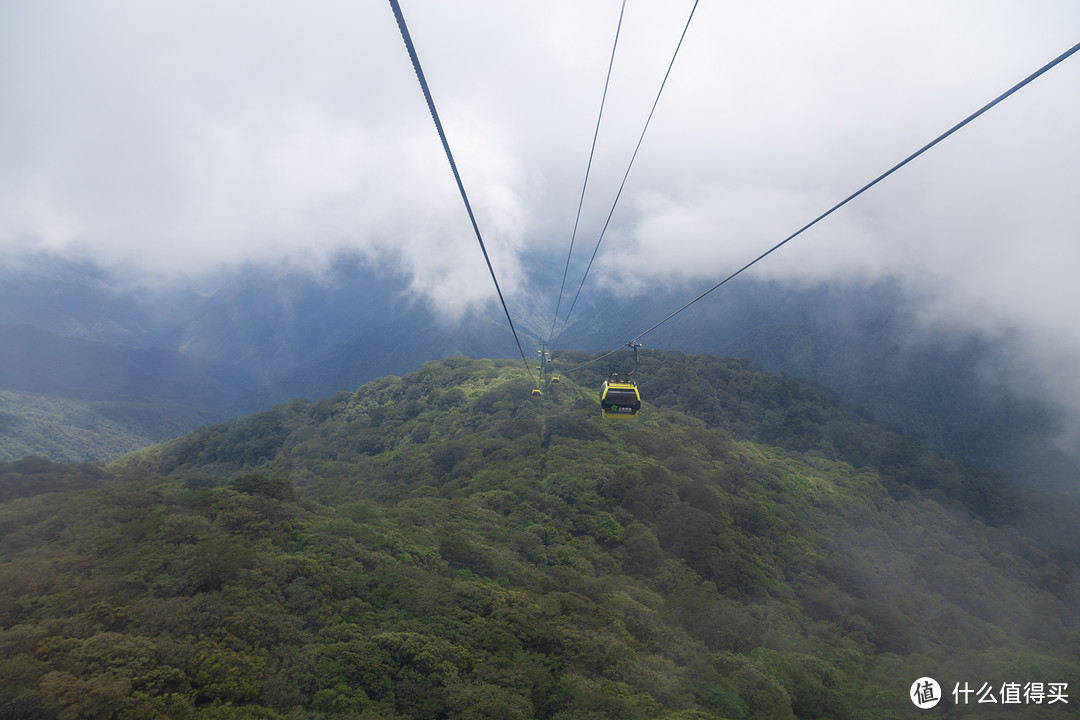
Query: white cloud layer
[[177, 139]]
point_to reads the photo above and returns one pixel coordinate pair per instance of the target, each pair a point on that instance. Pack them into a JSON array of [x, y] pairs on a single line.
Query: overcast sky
[[168, 139]]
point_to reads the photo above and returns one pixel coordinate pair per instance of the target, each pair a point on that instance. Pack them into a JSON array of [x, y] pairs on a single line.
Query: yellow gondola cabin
[[619, 400]]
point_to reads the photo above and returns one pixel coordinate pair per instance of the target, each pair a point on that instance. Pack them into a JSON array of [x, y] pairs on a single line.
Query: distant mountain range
[[257, 337], [37, 361]]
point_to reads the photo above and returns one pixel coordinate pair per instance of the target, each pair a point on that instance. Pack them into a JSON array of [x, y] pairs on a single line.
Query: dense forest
[[443, 545]]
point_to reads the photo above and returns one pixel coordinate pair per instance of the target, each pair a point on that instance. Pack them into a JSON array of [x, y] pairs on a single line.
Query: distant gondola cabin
[[619, 400]]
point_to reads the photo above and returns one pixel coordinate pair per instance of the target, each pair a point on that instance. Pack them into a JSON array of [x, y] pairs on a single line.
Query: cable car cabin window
[[622, 398]]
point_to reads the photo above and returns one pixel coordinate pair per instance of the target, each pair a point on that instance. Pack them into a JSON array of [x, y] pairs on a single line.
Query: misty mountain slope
[[94, 427], [79, 400], [443, 545], [402, 343], [945, 391], [254, 315], [35, 361], [270, 321], [73, 299]]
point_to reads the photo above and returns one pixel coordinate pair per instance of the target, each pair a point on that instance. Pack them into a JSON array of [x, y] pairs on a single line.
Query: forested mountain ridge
[[441, 545]]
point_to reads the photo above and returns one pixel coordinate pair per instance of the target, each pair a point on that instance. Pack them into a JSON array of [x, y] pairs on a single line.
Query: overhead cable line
[[628, 167], [1060, 58], [588, 168], [1030, 78], [453, 166]]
